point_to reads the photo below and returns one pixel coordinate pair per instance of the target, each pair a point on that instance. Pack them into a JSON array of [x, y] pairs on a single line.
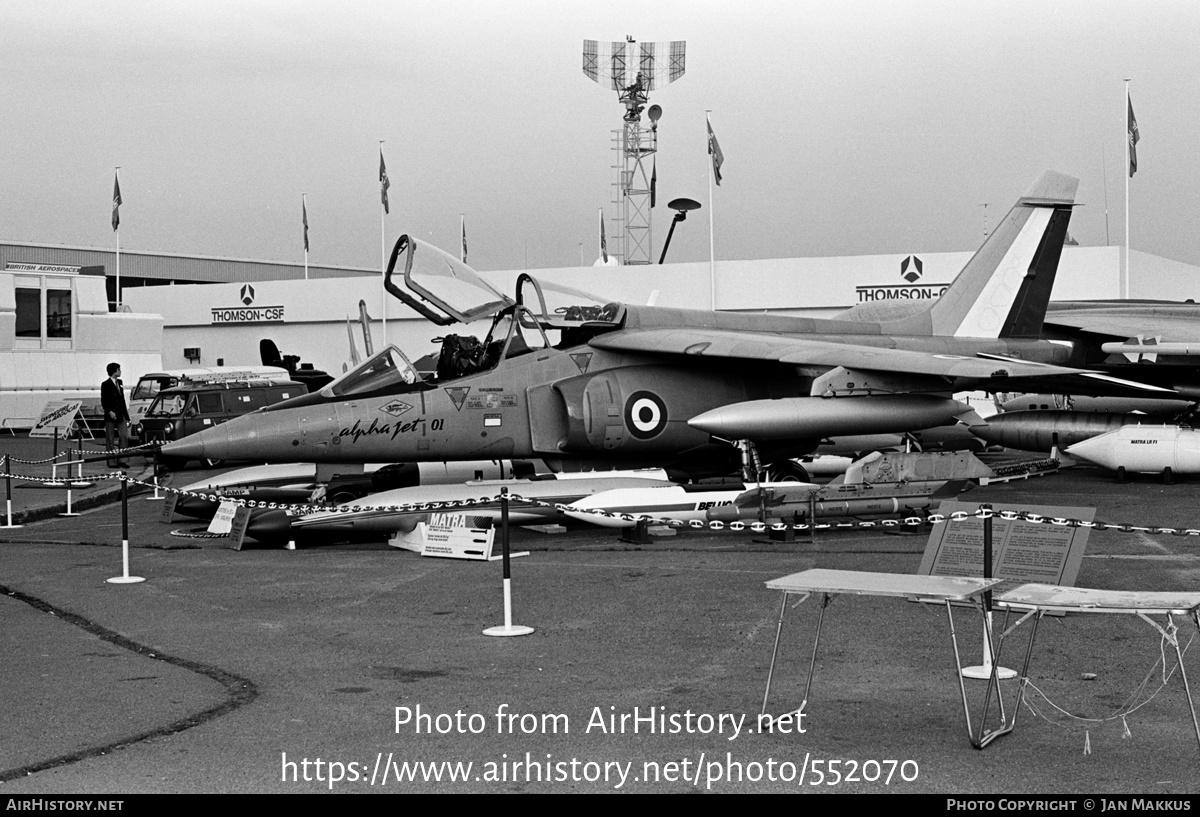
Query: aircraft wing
[[803, 351], [1168, 321], [984, 371]]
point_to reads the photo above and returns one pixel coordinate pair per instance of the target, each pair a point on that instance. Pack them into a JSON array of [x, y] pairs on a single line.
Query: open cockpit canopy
[[445, 291]]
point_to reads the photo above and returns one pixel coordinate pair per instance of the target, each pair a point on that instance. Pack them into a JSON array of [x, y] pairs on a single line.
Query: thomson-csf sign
[[911, 271], [248, 312]]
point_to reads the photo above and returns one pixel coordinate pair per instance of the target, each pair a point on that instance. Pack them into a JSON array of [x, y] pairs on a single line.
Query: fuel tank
[[1041, 430], [793, 417]]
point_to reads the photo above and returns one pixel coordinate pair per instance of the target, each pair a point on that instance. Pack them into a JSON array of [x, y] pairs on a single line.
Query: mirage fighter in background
[[576, 383]]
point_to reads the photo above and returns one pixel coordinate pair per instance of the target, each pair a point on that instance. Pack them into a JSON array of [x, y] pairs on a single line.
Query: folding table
[[832, 583], [1036, 600]]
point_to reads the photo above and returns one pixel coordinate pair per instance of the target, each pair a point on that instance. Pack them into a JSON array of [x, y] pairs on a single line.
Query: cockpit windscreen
[[387, 369]]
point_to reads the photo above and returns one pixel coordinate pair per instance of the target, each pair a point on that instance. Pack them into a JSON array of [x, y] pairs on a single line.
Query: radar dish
[[620, 64], [684, 205]]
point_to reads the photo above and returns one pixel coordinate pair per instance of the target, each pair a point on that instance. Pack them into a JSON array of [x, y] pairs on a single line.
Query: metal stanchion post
[[984, 671], [8, 491], [79, 480], [68, 511], [508, 628], [125, 578]]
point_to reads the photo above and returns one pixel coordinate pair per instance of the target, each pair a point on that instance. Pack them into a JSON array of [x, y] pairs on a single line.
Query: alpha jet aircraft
[[663, 387]]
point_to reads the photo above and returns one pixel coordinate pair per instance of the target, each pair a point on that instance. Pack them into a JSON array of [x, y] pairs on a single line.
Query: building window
[[58, 313], [44, 307], [29, 313]]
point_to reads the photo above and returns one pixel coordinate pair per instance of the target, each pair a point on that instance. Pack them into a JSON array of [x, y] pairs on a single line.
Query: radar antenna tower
[[633, 70]]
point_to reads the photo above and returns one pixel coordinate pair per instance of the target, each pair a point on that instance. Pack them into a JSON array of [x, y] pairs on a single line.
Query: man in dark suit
[[116, 414]]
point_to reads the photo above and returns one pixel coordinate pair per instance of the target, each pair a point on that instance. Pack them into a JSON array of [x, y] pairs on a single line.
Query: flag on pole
[[714, 150], [1134, 136], [464, 239], [304, 211], [384, 184], [116, 215], [603, 242]]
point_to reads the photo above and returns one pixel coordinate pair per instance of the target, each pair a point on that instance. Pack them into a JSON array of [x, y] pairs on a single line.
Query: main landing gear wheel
[[786, 471]]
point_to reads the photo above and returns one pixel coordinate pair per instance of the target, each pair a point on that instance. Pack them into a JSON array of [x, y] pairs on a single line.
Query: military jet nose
[[190, 448], [257, 436], [193, 447]]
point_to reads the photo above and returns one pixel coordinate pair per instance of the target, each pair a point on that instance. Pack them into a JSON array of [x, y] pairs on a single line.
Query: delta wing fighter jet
[[673, 388]]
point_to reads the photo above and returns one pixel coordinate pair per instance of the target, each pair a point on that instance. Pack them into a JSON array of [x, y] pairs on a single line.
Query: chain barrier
[[133, 449], [115, 452], [59, 455], [305, 509]]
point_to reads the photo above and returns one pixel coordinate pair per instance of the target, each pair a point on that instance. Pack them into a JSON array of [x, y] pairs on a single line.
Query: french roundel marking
[[645, 414]]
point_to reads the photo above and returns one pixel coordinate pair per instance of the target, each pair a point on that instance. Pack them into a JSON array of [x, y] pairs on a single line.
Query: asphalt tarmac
[[363, 668]]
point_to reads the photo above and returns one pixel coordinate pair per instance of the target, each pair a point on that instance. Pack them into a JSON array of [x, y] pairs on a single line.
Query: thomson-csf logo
[[247, 312], [912, 269]]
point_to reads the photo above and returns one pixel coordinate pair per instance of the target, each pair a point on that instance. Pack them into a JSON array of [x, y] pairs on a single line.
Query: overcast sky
[[847, 127]]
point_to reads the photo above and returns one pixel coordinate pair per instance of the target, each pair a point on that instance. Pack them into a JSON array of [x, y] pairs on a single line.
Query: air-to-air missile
[[878, 484], [400, 511], [300, 482], [1148, 406], [618, 508], [1143, 449], [1043, 430]]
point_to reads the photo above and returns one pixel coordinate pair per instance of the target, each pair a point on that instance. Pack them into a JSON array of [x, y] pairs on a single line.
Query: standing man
[[116, 415]]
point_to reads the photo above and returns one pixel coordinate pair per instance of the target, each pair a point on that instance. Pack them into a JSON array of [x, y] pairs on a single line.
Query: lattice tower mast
[[633, 70]]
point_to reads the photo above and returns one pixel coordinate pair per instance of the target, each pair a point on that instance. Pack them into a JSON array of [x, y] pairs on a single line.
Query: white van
[[149, 385]]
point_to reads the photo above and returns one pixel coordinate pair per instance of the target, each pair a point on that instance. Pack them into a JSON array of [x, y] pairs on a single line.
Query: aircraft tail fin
[[1004, 289]]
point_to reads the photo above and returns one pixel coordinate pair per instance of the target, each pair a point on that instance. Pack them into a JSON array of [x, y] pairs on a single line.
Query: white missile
[[296, 482], [399, 510], [1149, 350], [806, 417], [877, 484], [1156, 406], [683, 502], [1143, 449]]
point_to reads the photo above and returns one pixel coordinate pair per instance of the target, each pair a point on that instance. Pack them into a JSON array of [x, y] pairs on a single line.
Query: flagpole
[[1104, 173], [304, 209], [712, 274], [383, 243], [118, 232], [462, 234], [383, 265], [1128, 148]]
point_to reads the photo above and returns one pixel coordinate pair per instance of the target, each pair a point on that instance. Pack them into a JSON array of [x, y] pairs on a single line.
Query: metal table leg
[[826, 598]]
